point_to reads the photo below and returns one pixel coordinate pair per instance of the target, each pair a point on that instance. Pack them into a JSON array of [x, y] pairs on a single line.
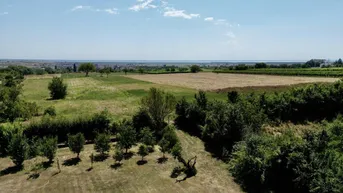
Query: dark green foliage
[[147, 137], [58, 90], [86, 67], [169, 140], [76, 143], [261, 65], [141, 120], [126, 137], [164, 144], [102, 143], [18, 149], [61, 127], [290, 163], [233, 96], [195, 68], [50, 111], [49, 147], [118, 155], [143, 151]]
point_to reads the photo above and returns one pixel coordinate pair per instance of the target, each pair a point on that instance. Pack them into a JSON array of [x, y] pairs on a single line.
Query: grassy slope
[[119, 94], [151, 177]]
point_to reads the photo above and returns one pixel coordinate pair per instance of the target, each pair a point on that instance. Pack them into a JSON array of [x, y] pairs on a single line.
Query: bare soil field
[[212, 81]]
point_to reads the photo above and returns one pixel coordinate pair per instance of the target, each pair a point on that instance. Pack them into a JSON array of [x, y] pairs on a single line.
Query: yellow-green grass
[[119, 94], [104, 177]]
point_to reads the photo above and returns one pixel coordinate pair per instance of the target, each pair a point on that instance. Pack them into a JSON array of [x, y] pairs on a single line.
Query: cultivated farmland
[[212, 81]]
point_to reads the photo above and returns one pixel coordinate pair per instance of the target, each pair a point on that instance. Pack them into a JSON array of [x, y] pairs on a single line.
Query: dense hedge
[[61, 127], [290, 163]]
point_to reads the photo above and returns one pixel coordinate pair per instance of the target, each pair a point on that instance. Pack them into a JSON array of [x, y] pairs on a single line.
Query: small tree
[[125, 70], [107, 71], [50, 111], [18, 149], [126, 137], [58, 90], [164, 146], [49, 148], [142, 151], [141, 120], [76, 143], [118, 155], [141, 71], [87, 67], [102, 143], [147, 137], [195, 68]]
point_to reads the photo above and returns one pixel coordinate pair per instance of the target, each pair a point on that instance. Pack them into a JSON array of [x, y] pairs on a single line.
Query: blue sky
[[171, 29]]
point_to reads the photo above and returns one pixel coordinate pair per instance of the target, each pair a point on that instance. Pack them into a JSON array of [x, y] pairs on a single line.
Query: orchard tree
[[147, 138], [107, 71], [49, 148], [143, 151], [87, 67], [58, 90], [164, 146], [118, 155], [18, 149], [102, 143], [76, 143], [126, 137]]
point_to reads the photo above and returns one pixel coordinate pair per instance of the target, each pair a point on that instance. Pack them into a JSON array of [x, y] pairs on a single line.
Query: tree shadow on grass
[[33, 176], [128, 155], [162, 160], [116, 166], [100, 157], [89, 169], [141, 162], [11, 170], [176, 172], [72, 161]]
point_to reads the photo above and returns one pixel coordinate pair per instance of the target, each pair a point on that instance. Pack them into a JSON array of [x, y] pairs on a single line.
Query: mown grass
[[105, 176]]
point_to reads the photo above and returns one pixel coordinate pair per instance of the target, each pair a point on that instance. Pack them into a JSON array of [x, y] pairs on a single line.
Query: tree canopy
[[87, 67]]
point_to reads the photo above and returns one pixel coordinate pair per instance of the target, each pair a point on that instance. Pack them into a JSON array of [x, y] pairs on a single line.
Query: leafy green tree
[[76, 143], [118, 155], [49, 147], [195, 68], [164, 146], [141, 71], [147, 137], [102, 143], [87, 67], [18, 149], [107, 71], [125, 70], [159, 105], [126, 137], [141, 120], [143, 151], [58, 90]]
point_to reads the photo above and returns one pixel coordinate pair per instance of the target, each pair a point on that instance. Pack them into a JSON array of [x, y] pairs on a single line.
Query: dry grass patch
[[212, 81]]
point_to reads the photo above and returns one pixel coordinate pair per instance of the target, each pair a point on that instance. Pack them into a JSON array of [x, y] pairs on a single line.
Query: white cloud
[[80, 7], [4, 13], [112, 11], [209, 19], [221, 22], [143, 4], [171, 12]]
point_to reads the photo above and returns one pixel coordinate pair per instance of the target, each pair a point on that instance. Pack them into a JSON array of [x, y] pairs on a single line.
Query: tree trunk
[[87, 73], [126, 150], [78, 155]]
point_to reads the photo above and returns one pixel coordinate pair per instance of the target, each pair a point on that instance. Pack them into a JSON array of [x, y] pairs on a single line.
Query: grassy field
[[118, 93], [130, 177], [212, 81], [325, 72]]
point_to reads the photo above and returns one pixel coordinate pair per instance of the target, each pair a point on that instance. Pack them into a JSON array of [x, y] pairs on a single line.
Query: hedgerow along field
[[323, 72]]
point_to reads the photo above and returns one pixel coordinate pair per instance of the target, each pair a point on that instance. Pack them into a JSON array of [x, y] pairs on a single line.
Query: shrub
[[18, 149], [50, 111], [58, 90], [76, 143], [102, 143], [49, 147]]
